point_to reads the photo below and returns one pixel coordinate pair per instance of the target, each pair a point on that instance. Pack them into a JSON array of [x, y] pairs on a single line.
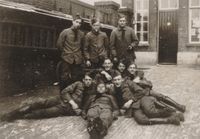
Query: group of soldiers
[[99, 81]]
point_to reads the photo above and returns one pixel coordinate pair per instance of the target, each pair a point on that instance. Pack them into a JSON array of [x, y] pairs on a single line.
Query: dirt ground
[[180, 83]]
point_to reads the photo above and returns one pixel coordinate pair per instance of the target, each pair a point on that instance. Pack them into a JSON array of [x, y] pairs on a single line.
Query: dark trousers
[[140, 117], [48, 108], [68, 73], [104, 114], [149, 112], [151, 108]]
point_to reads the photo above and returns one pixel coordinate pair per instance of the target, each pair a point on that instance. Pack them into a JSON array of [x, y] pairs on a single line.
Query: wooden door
[[168, 37]]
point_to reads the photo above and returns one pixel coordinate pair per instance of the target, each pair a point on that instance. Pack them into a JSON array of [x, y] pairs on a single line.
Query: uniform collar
[[95, 33], [120, 29], [73, 29]]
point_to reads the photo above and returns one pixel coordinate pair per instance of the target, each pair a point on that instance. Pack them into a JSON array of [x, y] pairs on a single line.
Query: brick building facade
[[169, 30], [106, 11]]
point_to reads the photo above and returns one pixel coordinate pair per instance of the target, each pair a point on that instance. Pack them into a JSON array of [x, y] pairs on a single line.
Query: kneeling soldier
[[100, 111]]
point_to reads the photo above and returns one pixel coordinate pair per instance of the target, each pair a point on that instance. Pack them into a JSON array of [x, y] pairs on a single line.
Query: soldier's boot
[[25, 109], [7, 117], [167, 111], [179, 115], [155, 121], [38, 114], [173, 103], [100, 128], [93, 130], [173, 119], [13, 115]]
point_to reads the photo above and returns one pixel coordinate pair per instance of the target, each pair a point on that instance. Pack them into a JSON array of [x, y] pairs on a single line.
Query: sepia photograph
[[99, 69]]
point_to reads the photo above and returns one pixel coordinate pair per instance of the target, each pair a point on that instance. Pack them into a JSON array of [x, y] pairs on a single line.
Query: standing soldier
[[123, 41], [96, 45], [70, 43]]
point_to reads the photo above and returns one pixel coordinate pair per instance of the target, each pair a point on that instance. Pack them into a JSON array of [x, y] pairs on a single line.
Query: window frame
[[190, 17], [136, 11], [169, 8]]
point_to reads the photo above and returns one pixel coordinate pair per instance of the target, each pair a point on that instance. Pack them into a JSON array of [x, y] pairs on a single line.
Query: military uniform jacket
[[73, 92], [129, 90], [96, 46], [119, 45], [104, 101], [88, 93], [71, 48], [102, 77], [144, 83]]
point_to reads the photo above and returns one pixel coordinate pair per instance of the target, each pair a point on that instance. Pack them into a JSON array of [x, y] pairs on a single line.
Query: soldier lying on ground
[[100, 110], [136, 102], [138, 77], [67, 104]]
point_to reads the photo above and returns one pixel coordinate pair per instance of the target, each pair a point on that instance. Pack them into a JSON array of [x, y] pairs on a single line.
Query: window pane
[[145, 27], [145, 4], [142, 19], [145, 37], [195, 25], [145, 16], [164, 4], [195, 14], [173, 4], [138, 35], [195, 2], [139, 16], [138, 26], [138, 4]]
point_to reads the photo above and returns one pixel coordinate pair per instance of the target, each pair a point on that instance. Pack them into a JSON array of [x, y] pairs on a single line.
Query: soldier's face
[[101, 88], [77, 23], [117, 81], [132, 69], [96, 26], [107, 64], [121, 67], [87, 81], [122, 22]]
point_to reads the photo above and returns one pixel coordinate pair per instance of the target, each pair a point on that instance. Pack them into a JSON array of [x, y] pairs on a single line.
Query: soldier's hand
[[109, 86], [108, 77], [136, 80], [78, 111], [130, 47], [73, 104], [122, 111], [127, 105], [84, 115], [115, 60], [88, 63]]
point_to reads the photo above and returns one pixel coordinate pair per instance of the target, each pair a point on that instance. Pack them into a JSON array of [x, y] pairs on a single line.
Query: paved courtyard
[[180, 83]]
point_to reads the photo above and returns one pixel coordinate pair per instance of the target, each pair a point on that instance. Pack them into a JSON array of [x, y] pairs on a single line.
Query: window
[[194, 21], [142, 20], [168, 4]]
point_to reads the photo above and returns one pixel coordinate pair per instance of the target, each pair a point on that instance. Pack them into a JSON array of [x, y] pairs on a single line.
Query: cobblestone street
[[180, 83]]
